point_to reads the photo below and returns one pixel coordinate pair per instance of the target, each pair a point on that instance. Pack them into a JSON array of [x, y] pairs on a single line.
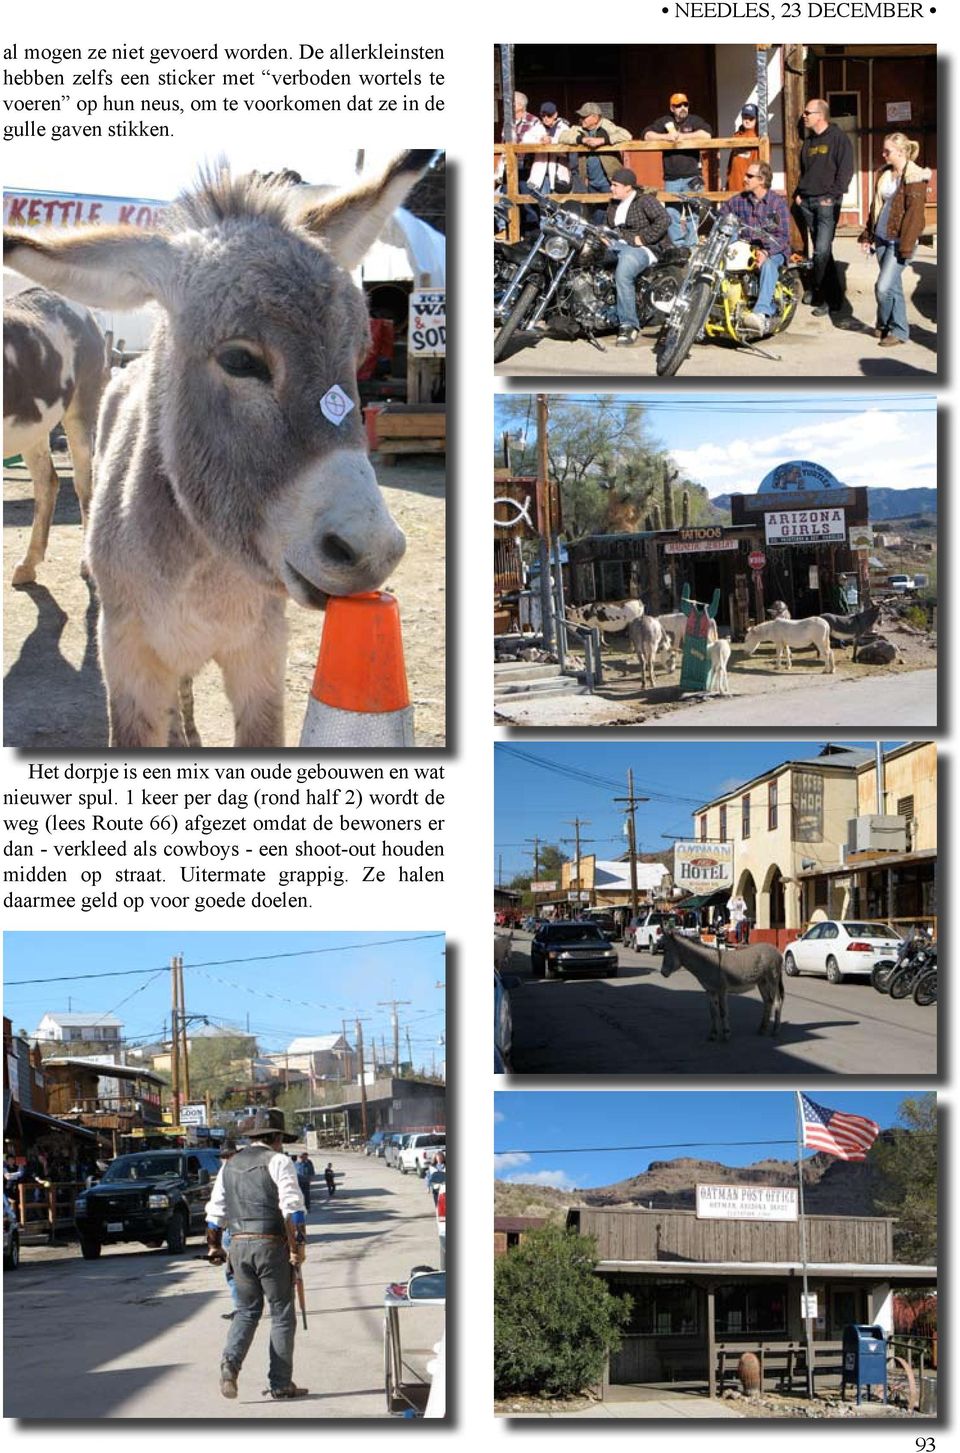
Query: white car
[[414, 1154], [837, 949]]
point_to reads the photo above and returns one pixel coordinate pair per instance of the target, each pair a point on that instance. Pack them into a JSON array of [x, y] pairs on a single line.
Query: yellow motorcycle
[[719, 288]]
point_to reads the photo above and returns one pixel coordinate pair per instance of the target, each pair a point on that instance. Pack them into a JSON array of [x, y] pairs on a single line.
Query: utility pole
[[631, 802], [544, 523], [392, 1004], [363, 1083], [409, 1048], [175, 1041], [183, 1033], [577, 823], [536, 855], [794, 99]]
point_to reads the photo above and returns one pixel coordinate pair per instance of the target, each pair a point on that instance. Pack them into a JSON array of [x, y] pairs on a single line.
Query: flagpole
[[807, 1320]]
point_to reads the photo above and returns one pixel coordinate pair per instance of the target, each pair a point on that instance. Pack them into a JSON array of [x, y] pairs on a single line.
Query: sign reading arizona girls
[[789, 527], [703, 865]]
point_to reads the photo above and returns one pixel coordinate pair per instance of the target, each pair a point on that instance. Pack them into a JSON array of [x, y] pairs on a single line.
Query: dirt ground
[[54, 696]]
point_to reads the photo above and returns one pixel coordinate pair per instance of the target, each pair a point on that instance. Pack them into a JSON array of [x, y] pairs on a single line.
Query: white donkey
[[646, 638], [787, 635], [729, 971], [54, 370], [231, 470], [717, 682]]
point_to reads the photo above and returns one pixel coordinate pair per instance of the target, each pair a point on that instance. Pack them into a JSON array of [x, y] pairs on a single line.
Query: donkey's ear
[[104, 267], [350, 223]]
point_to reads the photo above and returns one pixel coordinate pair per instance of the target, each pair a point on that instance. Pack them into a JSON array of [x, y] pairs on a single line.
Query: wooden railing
[[510, 151], [45, 1212]]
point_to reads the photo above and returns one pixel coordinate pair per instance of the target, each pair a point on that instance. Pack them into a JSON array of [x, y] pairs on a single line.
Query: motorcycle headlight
[[557, 248], [158, 1201]]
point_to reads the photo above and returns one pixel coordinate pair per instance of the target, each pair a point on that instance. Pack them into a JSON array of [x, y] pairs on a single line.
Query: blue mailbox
[[864, 1360]]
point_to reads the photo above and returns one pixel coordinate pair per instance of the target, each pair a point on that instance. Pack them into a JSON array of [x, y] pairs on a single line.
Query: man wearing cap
[[595, 131], [764, 222], [644, 226], [256, 1197], [681, 167], [740, 161]]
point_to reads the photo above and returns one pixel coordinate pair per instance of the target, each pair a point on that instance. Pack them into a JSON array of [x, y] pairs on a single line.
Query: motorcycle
[[925, 989], [913, 957], [906, 978], [721, 285], [564, 279]]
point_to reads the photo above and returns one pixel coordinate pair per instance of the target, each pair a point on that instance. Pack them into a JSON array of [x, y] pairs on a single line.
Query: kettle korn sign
[[795, 527], [747, 1203], [703, 865]]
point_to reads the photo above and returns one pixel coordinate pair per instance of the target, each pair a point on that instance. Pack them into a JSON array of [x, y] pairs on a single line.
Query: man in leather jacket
[[643, 224], [256, 1195]]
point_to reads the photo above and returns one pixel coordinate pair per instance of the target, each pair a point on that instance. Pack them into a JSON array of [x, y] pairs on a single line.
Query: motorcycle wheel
[[521, 308], [882, 973], [901, 985], [684, 323], [925, 991], [791, 291], [656, 297]]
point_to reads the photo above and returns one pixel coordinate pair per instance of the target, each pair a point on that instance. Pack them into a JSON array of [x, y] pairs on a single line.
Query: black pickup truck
[[153, 1196]]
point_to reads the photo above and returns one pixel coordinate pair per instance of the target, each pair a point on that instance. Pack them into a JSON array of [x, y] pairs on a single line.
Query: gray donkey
[[231, 472], [728, 971]]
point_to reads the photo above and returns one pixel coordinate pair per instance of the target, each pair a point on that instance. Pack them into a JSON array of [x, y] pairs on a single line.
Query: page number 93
[[925, 1445]]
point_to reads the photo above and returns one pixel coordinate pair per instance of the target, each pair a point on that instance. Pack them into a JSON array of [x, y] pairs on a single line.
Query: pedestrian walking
[[330, 1178], [227, 1151], [305, 1174], [897, 218], [257, 1199]]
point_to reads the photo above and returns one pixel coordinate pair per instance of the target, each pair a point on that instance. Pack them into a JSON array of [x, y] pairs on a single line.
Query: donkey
[[610, 617], [674, 627], [784, 634], [728, 971], [231, 471], [717, 682], [54, 371], [646, 638]]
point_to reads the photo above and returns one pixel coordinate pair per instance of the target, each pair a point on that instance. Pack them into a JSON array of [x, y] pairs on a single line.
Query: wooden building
[[114, 1100], [705, 1291]]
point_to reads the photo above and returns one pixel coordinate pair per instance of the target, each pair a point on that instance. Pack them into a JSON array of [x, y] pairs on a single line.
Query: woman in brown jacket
[[893, 230]]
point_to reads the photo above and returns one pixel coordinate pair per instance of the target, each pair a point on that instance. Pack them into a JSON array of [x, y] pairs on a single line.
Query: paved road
[[642, 1024], [904, 701], [137, 1334]]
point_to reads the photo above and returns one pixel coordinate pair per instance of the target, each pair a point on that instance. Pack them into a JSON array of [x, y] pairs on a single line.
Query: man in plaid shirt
[[765, 222]]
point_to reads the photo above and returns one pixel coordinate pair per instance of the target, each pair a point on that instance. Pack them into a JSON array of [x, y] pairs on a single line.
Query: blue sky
[[283, 997], [672, 1123], [728, 445], [531, 800]]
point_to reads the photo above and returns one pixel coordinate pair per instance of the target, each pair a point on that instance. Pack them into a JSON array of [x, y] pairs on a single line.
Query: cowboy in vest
[[257, 1198]]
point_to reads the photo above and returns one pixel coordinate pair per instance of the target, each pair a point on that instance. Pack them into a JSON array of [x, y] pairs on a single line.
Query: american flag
[[848, 1137]]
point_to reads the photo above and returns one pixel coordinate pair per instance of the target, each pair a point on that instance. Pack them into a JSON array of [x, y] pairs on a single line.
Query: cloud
[[509, 1159], [498, 1117], [558, 1179]]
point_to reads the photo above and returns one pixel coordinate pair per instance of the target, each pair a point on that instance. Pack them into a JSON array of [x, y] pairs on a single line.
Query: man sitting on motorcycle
[[764, 222], [643, 224]]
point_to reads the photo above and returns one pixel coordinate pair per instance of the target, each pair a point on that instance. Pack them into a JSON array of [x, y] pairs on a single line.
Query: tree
[[551, 860], [555, 1319], [906, 1160], [218, 1062]]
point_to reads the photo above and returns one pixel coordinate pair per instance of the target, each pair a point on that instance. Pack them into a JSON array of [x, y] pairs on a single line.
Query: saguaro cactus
[[685, 510]]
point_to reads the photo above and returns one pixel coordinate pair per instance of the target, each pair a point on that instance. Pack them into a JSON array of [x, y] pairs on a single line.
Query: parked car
[[606, 923], [372, 1146], [839, 948], [901, 584], [11, 1237], [561, 950], [152, 1196], [645, 932], [502, 1026], [393, 1146], [414, 1153]]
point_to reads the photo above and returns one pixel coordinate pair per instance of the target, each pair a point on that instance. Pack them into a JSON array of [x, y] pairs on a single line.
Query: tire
[[834, 976], [176, 1234], [89, 1248], [528, 296], [536, 968], [663, 286], [790, 966], [679, 332], [403, 1168], [901, 985], [925, 992], [882, 973], [11, 1261], [791, 291]]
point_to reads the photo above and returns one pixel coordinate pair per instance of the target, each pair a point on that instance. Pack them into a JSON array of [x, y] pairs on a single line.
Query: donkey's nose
[[338, 551]]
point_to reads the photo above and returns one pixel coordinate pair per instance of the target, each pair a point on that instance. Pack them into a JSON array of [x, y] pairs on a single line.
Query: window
[[905, 807], [703, 828], [666, 1309], [745, 814], [750, 1309], [821, 892], [772, 806], [723, 823]]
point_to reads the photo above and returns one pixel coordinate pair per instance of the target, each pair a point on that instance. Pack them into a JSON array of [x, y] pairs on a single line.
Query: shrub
[[916, 616], [555, 1319]]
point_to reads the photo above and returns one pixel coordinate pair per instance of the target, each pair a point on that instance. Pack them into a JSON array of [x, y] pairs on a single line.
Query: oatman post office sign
[[747, 1203], [801, 527]]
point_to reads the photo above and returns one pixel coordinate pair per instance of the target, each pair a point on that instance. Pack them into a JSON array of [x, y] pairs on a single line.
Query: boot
[[228, 1380], [280, 1394]]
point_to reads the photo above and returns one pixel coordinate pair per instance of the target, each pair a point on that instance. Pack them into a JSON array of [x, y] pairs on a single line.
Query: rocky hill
[[883, 504]]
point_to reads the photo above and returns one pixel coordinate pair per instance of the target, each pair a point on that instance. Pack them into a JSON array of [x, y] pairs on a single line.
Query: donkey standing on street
[[728, 971], [231, 471], [54, 370]]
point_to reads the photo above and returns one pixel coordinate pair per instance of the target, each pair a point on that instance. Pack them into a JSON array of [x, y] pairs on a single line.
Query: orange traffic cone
[[359, 696]]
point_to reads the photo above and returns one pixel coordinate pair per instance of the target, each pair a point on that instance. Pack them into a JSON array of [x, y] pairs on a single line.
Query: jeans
[[769, 272], [304, 1191], [261, 1271], [683, 231], [891, 304], [631, 262], [821, 215]]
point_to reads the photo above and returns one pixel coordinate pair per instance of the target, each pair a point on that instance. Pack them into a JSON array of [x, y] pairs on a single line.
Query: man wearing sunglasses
[[826, 168], [681, 164], [764, 222]]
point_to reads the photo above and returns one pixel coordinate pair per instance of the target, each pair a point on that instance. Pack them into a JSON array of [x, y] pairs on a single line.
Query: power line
[[665, 1145]]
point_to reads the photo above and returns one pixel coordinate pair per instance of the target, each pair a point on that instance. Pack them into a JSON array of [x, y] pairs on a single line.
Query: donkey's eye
[[241, 363]]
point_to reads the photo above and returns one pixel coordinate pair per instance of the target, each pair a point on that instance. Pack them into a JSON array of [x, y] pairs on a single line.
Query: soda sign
[[428, 323]]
